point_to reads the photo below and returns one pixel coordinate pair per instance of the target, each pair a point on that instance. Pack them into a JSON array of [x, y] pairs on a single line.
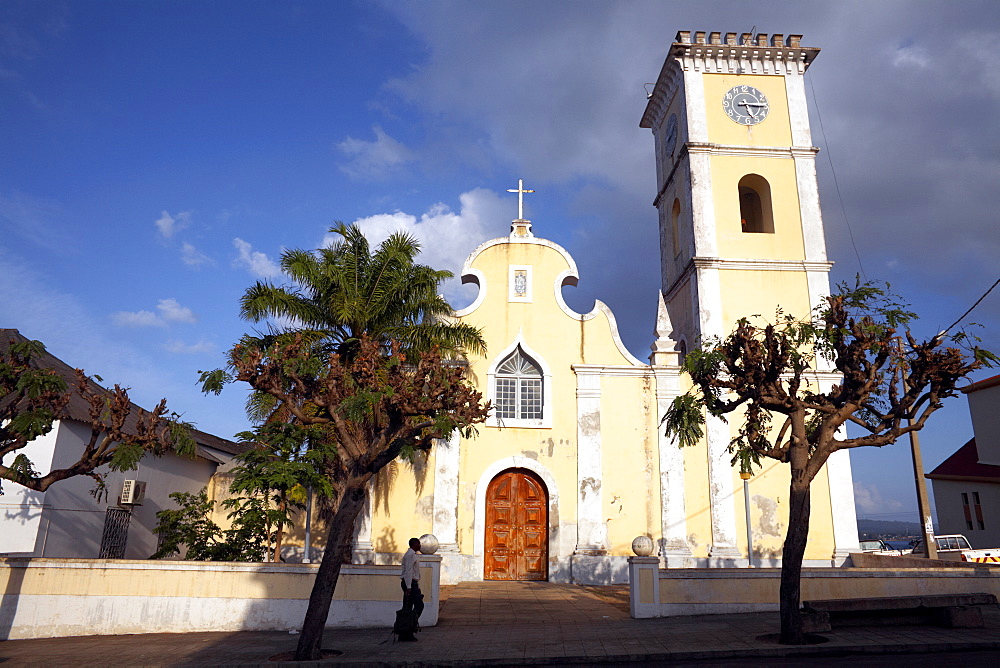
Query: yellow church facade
[[572, 465]]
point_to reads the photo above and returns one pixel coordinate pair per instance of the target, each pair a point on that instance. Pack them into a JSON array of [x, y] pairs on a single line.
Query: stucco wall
[[67, 521], [54, 597], [951, 511], [21, 509], [986, 423], [665, 593]]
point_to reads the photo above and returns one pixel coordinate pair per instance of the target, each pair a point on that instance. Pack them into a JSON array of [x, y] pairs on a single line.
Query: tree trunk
[[791, 562], [338, 546]]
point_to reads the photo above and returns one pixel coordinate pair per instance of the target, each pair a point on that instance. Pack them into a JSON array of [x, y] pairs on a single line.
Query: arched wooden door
[[517, 527]]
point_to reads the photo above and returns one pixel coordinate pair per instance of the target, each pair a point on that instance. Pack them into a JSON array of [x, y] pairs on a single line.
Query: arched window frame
[[756, 214], [682, 351], [544, 376]]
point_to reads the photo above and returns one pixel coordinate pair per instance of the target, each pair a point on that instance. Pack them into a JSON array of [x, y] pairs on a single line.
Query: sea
[[899, 544]]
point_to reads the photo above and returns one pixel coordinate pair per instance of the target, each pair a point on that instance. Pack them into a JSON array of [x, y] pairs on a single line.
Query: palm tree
[[345, 290]]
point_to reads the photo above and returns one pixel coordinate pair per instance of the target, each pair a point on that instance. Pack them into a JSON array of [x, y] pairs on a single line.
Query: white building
[[967, 484], [66, 520]]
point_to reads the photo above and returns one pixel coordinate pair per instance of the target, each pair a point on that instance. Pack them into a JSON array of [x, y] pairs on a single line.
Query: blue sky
[[157, 157]]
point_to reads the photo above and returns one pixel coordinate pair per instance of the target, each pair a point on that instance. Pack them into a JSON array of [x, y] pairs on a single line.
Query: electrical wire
[[829, 157], [962, 317]]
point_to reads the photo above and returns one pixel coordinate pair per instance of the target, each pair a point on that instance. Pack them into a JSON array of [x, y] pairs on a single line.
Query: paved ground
[[520, 623]]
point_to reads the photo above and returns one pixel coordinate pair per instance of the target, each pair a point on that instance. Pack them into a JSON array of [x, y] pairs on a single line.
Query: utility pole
[[923, 505]]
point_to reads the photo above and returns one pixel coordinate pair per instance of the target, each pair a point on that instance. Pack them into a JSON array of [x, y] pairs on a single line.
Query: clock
[[670, 136], [745, 105]]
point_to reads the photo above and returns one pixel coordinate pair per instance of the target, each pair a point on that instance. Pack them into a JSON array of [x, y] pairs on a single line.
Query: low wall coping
[[768, 573], [169, 565]]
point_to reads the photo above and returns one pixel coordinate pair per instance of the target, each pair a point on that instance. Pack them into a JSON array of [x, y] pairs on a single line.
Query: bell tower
[[741, 232], [740, 225]]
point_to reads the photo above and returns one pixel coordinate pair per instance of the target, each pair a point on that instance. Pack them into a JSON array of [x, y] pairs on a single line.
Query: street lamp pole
[[307, 558], [745, 476]]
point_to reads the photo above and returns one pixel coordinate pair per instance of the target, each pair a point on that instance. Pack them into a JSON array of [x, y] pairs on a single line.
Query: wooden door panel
[[530, 490], [532, 540], [534, 517], [516, 527]]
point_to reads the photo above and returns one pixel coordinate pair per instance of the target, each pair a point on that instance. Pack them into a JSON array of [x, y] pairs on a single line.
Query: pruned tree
[[796, 384], [363, 364], [368, 410], [37, 390]]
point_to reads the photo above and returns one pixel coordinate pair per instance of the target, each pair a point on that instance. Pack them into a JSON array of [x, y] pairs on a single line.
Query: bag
[[406, 623]]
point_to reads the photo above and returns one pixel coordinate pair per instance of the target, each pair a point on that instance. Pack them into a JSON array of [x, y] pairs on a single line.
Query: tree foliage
[[336, 294], [795, 385], [33, 397], [269, 483], [190, 530], [276, 474]]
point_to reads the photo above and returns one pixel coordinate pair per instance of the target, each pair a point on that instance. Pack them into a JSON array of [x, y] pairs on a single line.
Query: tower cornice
[[743, 53], [750, 264]]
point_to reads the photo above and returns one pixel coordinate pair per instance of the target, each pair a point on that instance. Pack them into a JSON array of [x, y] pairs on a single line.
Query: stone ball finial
[[642, 546], [429, 544]]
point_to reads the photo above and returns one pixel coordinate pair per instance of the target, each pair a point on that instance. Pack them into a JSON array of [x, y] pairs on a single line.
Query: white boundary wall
[[45, 598], [655, 592]]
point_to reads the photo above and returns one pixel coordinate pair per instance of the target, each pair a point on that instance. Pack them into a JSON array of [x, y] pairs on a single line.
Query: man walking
[[413, 600]]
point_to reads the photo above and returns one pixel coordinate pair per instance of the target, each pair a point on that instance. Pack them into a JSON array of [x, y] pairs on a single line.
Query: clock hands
[[747, 105]]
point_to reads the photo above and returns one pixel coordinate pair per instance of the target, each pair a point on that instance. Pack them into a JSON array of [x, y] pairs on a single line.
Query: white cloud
[[911, 56], [193, 257], [258, 263], [169, 225], [373, 159], [137, 319], [181, 348], [446, 237], [169, 311], [869, 501]]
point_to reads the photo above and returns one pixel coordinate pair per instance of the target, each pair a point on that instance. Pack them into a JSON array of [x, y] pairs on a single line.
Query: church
[[572, 465]]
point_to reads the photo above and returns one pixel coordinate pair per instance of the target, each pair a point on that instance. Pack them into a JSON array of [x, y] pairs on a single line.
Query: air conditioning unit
[[133, 493]]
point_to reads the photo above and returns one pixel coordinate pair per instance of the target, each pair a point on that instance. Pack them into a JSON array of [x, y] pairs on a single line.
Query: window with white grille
[[518, 388]]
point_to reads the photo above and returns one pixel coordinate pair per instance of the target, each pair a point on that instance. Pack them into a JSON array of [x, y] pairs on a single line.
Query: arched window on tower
[[675, 221], [755, 205], [519, 388]]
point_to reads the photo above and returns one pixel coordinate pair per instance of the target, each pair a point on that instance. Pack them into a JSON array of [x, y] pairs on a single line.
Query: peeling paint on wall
[[692, 541], [590, 423], [425, 507], [589, 486], [769, 524], [550, 442]]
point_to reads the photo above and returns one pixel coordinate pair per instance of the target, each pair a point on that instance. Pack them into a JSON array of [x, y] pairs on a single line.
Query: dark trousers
[[415, 601]]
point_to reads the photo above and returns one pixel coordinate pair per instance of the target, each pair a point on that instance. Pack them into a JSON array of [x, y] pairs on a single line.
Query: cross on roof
[[520, 197]]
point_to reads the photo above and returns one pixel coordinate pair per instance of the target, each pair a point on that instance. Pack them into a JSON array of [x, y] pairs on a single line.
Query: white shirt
[[410, 570]]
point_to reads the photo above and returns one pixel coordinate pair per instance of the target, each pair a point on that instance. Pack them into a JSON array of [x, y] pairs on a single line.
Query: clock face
[[670, 137], [745, 105]]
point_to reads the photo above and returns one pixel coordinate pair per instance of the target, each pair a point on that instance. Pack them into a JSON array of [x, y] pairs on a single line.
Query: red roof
[[964, 465], [982, 384]]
